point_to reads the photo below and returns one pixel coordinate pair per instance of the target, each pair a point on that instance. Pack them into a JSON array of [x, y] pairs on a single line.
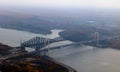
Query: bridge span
[[40, 43]]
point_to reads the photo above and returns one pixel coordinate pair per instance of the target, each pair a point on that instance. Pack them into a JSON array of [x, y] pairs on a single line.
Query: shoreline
[[33, 61], [70, 69]]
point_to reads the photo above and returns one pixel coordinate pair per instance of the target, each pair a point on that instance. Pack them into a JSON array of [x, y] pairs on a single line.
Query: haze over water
[[14, 37], [82, 58]]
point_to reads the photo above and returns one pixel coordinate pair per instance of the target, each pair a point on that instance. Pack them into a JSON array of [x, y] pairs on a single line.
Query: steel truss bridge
[[40, 43]]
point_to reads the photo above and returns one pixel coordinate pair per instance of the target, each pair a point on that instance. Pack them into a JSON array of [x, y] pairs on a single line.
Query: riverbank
[[81, 36], [4, 49], [33, 63], [69, 69]]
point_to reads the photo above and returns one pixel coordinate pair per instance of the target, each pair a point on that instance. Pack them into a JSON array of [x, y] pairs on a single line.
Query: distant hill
[[31, 24], [77, 25]]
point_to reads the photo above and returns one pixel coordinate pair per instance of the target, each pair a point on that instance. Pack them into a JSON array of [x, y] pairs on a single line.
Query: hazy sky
[[63, 3]]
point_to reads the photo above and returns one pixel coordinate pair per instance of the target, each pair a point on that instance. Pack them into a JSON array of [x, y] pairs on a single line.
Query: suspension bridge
[[40, 44]]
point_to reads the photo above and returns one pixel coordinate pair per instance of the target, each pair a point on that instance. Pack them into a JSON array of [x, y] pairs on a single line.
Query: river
[[82, 58]]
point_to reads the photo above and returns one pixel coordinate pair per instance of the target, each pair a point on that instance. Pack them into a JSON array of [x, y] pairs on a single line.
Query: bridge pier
[[22, 48], [37, 48], [45, 53]]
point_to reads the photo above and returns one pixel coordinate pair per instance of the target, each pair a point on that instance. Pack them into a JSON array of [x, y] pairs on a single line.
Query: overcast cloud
[[63, 3]]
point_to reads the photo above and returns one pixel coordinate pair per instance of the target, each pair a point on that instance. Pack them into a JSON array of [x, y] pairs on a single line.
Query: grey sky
[[63, 3]]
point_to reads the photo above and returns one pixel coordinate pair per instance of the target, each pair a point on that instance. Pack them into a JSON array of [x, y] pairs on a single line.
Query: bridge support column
[[45, 53], [23, 48], [37, 49]]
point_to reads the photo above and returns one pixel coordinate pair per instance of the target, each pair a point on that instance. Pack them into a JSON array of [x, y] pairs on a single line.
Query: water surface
[[82, 58]]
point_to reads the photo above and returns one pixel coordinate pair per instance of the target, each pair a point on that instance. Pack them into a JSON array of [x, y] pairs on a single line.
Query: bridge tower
[[96, 37], [47, 42], [22, 47]]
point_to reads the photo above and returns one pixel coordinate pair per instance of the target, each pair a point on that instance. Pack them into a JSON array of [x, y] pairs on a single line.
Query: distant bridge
[[39, 43], [82, 42]]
